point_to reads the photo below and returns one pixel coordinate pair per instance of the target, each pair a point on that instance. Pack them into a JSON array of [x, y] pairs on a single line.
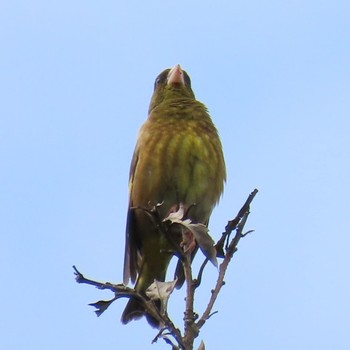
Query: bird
[[178, 161]]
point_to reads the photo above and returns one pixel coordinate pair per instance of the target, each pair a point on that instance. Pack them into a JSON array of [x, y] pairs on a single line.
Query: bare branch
[[225, 248], [238, 224]]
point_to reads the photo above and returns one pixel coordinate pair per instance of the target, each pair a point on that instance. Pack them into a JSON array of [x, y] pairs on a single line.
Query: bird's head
[[171, 84]]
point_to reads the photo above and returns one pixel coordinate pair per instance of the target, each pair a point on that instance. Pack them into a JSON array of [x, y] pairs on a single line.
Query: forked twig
[[225, 249]]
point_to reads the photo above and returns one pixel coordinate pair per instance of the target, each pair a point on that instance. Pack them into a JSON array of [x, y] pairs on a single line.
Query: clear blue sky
[[75, 82]]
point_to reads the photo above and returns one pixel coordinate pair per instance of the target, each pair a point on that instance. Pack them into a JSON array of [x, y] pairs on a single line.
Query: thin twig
[[80, 278], [191, 327], [198, 280], [238, 222], [232, 224], [121, 291], [189, 320]]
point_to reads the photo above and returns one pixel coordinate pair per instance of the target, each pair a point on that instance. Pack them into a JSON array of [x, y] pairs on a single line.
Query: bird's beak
[[176, 76]]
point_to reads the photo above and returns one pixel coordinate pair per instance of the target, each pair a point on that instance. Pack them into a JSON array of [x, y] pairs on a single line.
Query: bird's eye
[[162, 77], [156, 83], [187, 79]]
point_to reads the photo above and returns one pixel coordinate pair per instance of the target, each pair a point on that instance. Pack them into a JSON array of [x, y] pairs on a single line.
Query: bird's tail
[[134, 311]]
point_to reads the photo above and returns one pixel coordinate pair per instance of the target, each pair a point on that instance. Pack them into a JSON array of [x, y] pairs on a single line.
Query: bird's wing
[[131, 242]]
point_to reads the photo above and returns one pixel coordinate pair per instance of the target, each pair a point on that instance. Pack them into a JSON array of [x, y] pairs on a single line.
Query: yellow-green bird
[[178, 161]]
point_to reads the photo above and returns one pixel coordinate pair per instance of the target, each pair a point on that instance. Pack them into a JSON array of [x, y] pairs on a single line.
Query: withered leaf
[[160, 290], [200, 232], [102, 306]]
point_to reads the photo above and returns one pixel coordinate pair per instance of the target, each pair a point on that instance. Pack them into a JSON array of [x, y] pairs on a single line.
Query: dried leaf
[[101, 306], [160, 290], [201, 346], [200, 232], [176, 216], [205, 242]]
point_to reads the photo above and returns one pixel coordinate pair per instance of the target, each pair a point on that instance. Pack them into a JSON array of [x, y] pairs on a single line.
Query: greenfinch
[[178, 161]]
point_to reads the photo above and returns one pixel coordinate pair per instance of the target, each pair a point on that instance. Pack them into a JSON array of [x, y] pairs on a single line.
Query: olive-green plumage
[[178, 159]]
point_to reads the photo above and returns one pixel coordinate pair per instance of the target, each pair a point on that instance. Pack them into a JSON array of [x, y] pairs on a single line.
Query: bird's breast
[[179, 160]]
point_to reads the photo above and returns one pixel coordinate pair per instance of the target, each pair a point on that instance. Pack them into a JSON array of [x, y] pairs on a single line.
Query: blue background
[[75, 82]]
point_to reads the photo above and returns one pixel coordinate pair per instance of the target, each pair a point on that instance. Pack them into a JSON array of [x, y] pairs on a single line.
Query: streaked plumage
[[177, 160]]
